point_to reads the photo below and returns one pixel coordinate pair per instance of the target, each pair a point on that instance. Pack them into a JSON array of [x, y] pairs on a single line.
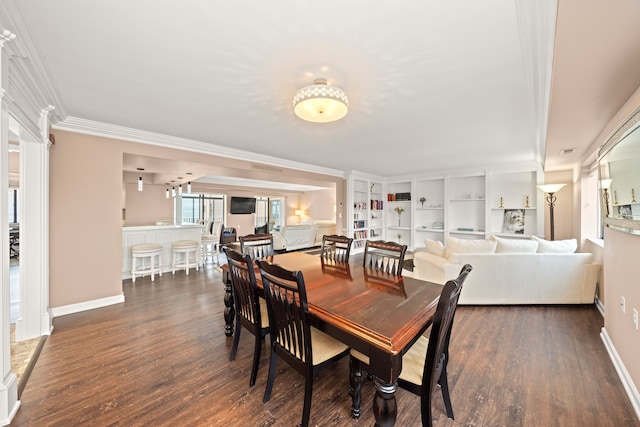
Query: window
[[14, 215], [268, 211], [200, 208]]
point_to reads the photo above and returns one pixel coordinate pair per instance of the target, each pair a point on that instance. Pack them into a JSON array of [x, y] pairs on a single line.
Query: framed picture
[[513, 221], [624, 211]]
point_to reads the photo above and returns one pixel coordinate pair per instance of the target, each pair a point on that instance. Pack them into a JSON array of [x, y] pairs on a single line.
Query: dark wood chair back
[[286, 297], [435, 367], [336, 248], [384, 256], [291, 332], [249, 313], [257, 246]]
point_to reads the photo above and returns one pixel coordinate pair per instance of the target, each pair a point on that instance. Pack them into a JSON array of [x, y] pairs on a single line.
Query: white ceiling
[[433, 85]]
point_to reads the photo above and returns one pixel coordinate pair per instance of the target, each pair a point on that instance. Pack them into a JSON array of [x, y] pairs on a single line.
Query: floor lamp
[[605, 184], [551, 189]]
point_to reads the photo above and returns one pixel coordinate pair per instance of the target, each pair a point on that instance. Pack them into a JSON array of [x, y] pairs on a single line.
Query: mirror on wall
[[619, 168]]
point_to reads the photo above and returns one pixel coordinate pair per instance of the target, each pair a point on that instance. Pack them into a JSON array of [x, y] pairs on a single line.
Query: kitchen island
[[163, 234]]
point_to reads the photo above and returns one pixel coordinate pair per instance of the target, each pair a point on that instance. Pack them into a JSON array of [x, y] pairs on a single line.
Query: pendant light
[[140, 185], [189, 183]]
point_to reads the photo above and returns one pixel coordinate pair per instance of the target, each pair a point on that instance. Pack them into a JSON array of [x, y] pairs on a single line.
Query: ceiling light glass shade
[[320, 103], [173, 191], [180, 189], [551, 188], [167, 193], [140, 184], [189, 187]]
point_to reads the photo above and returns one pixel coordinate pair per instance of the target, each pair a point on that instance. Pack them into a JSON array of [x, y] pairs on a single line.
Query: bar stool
[[142, 251], [182, 255], [210, 247]]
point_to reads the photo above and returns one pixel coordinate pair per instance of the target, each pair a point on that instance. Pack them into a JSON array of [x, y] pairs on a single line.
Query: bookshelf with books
[[365, 210]]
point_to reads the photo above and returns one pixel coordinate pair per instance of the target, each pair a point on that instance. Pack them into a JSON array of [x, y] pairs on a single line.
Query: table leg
[[355, 386], [229, 311], [385, 408]]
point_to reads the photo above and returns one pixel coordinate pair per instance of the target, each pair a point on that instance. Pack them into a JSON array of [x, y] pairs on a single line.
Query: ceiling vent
[[567, 151]]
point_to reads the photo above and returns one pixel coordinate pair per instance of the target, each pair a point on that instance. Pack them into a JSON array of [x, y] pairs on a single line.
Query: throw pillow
[[556, 246], [457, 246], [515, 246], [434, 247]]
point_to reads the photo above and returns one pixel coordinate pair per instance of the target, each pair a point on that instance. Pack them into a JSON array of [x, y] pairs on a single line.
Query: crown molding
[[537, 28], [91, 127], [29, 81]]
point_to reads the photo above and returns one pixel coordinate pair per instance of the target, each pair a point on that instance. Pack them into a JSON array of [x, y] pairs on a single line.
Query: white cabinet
[[429, 215], [466, 209], [474, 205], [365, 211], [398, 213], [513, 205]]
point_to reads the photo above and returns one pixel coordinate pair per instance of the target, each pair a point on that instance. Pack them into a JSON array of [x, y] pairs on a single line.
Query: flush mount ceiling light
[[320, 103]]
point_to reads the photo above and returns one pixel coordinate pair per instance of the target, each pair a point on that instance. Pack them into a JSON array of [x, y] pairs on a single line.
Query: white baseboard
[[87, 305], [627, 382], [600, 306]]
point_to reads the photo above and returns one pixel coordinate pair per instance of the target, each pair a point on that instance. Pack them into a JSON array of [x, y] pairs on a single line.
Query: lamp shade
[[551, 188], [320, 103], [299, 212], [605, 184]]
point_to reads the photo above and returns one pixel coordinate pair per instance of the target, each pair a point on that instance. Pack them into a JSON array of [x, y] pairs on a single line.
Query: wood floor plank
[[162, 359]]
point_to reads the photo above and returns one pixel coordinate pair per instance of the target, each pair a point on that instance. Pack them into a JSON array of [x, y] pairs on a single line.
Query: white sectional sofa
[[512, 272], [301, 236]]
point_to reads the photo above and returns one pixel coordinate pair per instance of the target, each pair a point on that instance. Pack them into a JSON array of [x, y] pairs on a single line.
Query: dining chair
[[384, 256], [257, 245], [251, 310], [305, 348], [425, 363], [336, 248]]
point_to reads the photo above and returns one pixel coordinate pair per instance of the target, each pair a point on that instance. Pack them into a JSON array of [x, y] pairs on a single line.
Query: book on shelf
[[376, 205]]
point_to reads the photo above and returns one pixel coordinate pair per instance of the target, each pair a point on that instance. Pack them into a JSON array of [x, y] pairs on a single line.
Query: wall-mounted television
[[242, 205]]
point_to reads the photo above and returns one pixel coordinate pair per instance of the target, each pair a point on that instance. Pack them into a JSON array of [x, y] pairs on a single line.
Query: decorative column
[[9, 387], [34, 319]]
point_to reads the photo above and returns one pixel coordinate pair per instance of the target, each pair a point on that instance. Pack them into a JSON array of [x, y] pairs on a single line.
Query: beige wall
[[85, 214], [86, 201], [147, 206], [318, 204], [621, 255]]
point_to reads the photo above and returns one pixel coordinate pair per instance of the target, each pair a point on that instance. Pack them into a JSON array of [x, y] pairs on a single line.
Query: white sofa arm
[[429, 267], [279, 243]]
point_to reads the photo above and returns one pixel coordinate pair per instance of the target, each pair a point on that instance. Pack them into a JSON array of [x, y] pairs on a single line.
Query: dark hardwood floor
[[161, 359]]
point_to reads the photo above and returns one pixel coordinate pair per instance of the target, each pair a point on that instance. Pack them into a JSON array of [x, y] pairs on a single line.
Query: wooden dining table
[[376, 313]]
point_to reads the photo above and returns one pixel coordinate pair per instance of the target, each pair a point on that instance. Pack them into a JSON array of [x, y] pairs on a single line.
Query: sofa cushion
[[556, 246], [457, 246], [435, 247], [515, 246]]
